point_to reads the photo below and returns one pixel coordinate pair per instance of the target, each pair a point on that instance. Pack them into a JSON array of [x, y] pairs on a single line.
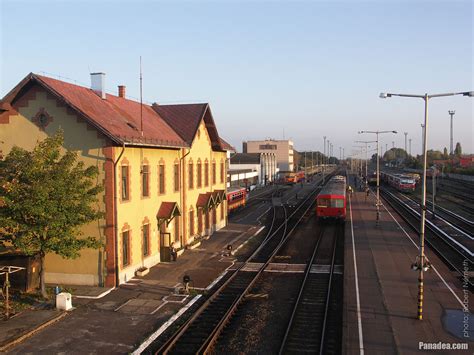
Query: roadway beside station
[[381, 290]]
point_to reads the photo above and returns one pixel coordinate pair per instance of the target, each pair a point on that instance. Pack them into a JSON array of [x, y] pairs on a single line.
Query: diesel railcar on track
[[331, 201]]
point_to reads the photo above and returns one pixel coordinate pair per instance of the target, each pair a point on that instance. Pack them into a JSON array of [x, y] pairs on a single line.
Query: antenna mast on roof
[[141, 98]]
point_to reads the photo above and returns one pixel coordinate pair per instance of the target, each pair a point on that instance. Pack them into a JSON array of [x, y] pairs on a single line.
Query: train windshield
[[323, 202], [337, 202]]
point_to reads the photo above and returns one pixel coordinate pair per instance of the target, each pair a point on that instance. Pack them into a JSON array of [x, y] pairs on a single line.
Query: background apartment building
[[283, 150]]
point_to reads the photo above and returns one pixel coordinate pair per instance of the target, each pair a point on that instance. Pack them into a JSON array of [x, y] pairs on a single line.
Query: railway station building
[[283, 150], [163, 168]]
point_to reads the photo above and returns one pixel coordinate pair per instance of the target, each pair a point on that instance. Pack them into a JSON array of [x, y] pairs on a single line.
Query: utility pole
[[393, 144], [322, 158], [451, 150], [409, 146], [405, 133]]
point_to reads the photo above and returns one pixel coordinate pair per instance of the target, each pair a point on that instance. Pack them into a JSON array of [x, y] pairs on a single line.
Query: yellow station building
[[163, 167]]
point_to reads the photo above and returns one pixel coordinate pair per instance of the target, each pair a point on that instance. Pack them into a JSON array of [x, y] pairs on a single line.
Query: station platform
[[381, 289]]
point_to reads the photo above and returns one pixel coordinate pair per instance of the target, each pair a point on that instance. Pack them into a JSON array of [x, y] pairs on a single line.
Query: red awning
[[205, 201], [167, 211]]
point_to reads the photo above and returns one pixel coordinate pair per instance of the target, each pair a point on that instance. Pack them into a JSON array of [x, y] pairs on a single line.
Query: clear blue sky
[[308, 68]]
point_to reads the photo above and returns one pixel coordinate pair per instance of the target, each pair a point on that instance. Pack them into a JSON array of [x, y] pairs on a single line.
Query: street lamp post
[[366, 157], [378, 169], [451, 150], [405, 133], [323, 156], [409, 146], [422, 265]]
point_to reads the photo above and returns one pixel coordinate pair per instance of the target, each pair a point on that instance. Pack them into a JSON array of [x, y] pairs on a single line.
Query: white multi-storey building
[[283, 150]]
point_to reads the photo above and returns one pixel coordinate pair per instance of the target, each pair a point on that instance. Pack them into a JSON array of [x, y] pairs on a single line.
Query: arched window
[[161, 178], [191, 174], [213, 172], [222, 171], [206, 173], [176, 176], [199, 174]]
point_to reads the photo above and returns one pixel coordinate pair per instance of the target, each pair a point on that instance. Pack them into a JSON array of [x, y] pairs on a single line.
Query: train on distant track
[[331, 201], [293, 178], [401, 182], [372, 179], [236, 198]]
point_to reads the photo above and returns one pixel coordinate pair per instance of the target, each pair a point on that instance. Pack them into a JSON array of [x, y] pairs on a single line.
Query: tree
[[445, 153], [458, 149], [46, 197]]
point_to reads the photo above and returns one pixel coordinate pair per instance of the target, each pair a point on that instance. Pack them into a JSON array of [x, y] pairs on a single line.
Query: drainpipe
[[182, 192], [117, 278]]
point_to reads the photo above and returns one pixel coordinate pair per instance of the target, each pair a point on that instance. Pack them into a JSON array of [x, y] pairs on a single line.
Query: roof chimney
[[98, 84], [121, 91]]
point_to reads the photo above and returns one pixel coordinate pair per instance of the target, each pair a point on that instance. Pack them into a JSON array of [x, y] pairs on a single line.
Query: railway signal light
[[186, 281]]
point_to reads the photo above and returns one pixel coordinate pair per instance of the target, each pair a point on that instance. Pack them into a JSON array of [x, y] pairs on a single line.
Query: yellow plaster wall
[[22, 132], [131, 213]]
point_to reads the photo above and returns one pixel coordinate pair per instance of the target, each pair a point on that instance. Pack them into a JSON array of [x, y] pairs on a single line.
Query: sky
[[269, 69]]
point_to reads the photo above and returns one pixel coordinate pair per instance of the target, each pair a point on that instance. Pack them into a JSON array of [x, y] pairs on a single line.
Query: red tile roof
[[119, 118], [205, 200], [227, 146], [168, 210], [185, 119]]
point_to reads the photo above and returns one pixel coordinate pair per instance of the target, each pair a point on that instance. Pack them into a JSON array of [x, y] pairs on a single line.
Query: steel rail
[[326, 310], [435, 246], [168, 346], [302, 289]]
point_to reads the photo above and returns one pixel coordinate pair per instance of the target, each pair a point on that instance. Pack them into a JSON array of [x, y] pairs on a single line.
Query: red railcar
[[331, 201], [300, 177], [401, 182], [236, 197]]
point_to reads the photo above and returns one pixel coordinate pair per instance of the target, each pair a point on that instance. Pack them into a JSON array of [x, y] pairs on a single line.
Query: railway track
[[450, 250], [317, 312], [201, 330]]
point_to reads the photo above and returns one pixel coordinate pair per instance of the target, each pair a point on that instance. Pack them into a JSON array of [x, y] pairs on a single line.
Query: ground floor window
[[176, 229], [191, 223], [146, 240], [126, 248], [200, 221], [222, 210]]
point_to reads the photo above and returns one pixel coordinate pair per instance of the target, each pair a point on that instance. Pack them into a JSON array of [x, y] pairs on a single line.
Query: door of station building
[[207, 221], [214, 219], [165, 246]]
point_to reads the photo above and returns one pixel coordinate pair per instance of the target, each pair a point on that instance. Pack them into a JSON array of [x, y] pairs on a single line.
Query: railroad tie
[[256, 296]]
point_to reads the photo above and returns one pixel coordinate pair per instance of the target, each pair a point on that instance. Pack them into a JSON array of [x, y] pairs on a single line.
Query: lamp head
[[468, 93], [395, 132], [384, 95]]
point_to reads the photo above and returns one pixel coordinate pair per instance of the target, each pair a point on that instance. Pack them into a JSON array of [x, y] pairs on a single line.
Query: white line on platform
[[123, 304], [165, 326], [432, 266], [105, 293], [359, 318]]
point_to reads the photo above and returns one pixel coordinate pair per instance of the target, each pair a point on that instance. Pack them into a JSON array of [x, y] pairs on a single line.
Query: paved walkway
[[385, 321], [122, 319]]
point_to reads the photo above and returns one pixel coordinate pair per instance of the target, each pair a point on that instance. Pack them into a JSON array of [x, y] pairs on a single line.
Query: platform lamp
[[322, 158], [377, 203], [366, 157], [421, 263]]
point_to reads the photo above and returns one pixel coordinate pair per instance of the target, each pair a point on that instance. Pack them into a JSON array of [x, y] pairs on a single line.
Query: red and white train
[[236, 197], [403, 183], [331, 201]]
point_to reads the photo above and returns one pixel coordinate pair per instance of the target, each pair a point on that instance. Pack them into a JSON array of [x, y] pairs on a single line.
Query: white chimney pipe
[[98, 84]]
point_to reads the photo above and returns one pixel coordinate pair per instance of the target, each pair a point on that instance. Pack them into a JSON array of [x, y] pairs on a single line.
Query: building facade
[[163, 168], [283, 150], [264, 164]]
